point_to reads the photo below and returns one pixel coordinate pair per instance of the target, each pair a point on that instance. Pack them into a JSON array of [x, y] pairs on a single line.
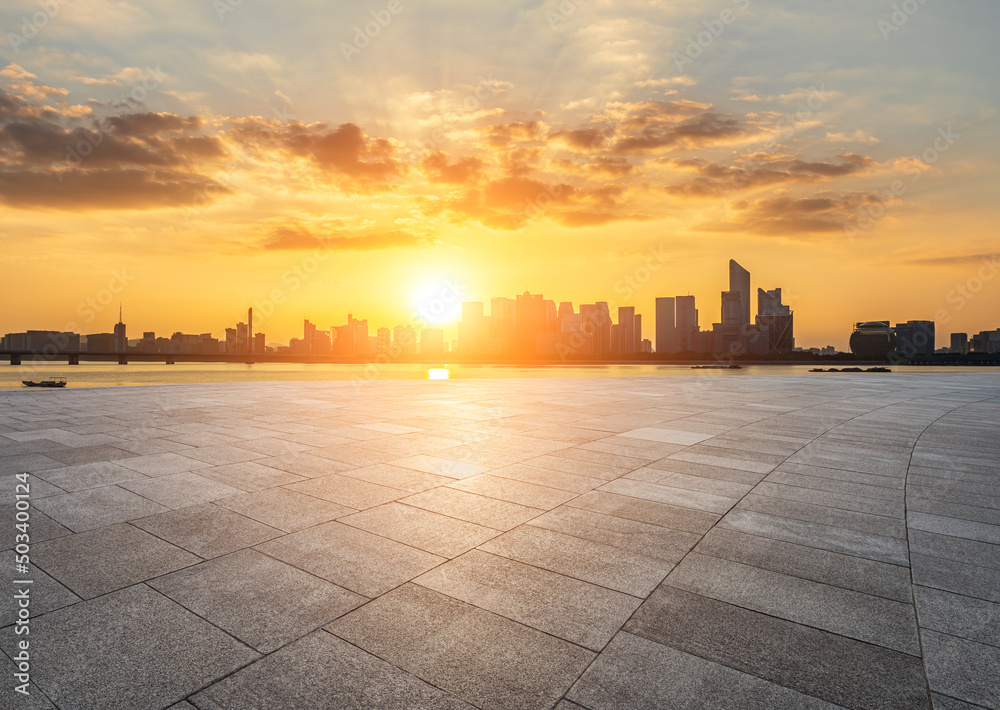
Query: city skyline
[[530, 326], [195, 159]]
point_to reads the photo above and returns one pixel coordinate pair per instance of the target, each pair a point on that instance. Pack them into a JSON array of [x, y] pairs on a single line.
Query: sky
[[191, 158]]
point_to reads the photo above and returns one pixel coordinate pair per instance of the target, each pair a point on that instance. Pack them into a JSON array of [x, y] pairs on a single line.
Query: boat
[[51, 382]]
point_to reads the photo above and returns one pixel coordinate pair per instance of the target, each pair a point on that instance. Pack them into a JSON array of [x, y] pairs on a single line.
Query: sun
[[438, 302]]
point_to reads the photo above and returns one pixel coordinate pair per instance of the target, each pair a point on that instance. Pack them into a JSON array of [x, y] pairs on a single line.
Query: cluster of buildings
[[530, 326]]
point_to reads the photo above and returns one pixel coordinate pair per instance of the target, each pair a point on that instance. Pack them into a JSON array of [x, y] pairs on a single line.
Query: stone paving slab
[[577, 543]]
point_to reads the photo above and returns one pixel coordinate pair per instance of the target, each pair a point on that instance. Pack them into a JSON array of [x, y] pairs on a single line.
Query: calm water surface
[[111, 374]]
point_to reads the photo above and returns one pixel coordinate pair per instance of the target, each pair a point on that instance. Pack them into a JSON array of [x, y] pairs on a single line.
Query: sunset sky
[[191, 158]]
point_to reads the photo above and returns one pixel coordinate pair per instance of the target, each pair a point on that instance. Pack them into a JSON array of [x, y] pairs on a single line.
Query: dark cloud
[[714, 180], [788, 216], [464, 171], [346, 150]]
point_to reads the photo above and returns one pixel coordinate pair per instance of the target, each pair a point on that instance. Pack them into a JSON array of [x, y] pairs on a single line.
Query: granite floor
[[813, 541]]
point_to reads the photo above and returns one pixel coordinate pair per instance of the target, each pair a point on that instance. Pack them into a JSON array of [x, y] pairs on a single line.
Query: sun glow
[[438, 303]]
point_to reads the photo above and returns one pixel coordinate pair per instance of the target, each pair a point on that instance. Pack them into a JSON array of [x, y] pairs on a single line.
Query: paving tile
[[347, 491], [831, 667], [666, 436], [250, 476], [971, 530], [261, 601], [162, 464], [283, 509], [107, 559], [89, 475], [839, 570], [877, 620], [485, 659], [274, 447], [440, 466], [681, 497], [89, 454], [958, 615], [642, 675], [959, 549], [40, 526], [305, 465], [207, 530], [29, 697], [641, 538], [949, 575], [96, 507], [825, 515], [702, 484], [179, 490], [44, 592], [547, 477], [646, 511], [37, 488], [359, 561], [406, 479], [514, 491], [962, 669], [723, 462], [583, 613], [618, 466], [438, 534], [323, 671], [129, 634], [27, 463], [585, 560], [472, 508], [222, 454]]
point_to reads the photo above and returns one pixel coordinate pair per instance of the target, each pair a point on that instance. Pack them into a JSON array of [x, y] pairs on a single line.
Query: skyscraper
[[121, 341], [777, 318], [686, 322], [666, 330], [626, 330], [739, 281], [531, 317]]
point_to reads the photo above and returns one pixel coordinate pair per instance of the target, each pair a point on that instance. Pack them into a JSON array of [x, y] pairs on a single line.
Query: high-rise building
[[531, 319], [739, 281], [121, 340], [732, 309], [960, 343], [666, 326], [382, 339], [777, 318], [915, 338], [873, 339], [637, 335], [626, 327], [404, 340], [686, 323], [309, 337], [503, 314], [472, 333], [259, 344]]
